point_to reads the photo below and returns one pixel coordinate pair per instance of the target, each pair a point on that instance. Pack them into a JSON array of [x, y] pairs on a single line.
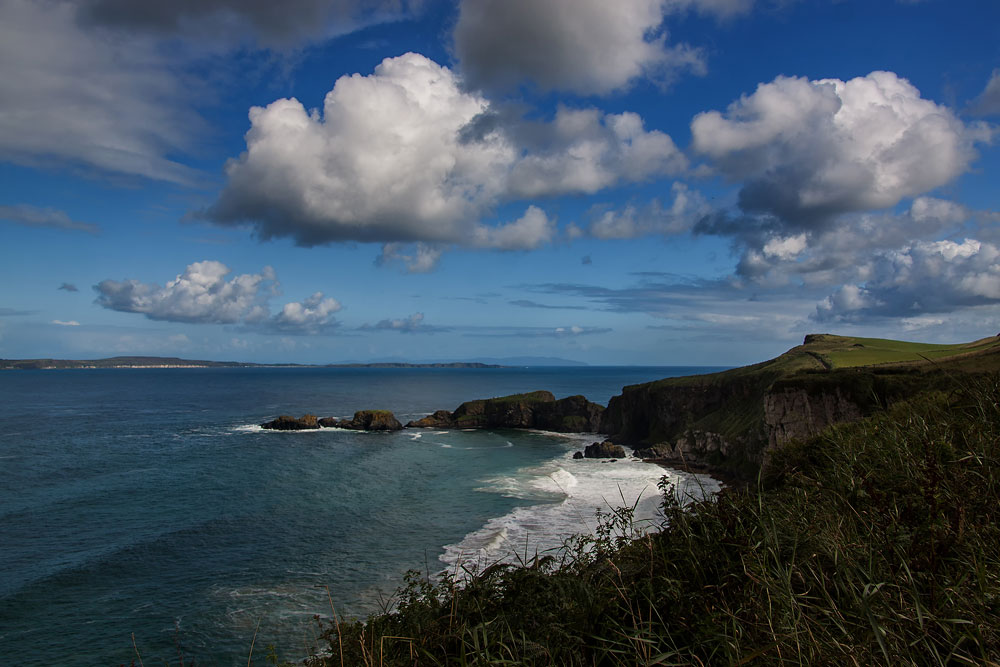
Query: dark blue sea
[[148, 502]]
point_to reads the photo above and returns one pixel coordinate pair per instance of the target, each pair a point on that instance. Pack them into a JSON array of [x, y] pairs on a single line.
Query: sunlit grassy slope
[[830, 352], [847, 352]]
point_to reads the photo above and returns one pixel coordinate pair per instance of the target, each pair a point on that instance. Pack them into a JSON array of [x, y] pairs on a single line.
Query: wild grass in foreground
[[875, 543]]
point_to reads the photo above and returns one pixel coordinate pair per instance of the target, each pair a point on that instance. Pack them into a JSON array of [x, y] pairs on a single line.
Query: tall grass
[[875, 543]]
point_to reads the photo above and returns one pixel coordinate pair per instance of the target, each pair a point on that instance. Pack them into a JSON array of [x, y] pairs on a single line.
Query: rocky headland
[[728, 422]]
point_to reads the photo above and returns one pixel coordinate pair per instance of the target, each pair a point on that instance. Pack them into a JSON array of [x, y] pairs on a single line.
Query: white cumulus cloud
[[406, 155], [411, 324], [530, 231], [654, 218], [840, 252], [806, 151], [923, 278], [586, 150], [204, 295], [308, 317]]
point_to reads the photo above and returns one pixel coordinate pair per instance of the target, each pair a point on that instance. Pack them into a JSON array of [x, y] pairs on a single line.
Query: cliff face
[[537, 410], [796, 414], [730, 421], [728, 425], [650, 413]]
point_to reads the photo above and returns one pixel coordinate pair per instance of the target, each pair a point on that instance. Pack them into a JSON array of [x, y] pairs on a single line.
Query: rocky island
[[364, 420]]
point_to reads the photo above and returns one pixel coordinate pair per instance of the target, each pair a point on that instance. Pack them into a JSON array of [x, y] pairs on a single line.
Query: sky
[[638, 182]]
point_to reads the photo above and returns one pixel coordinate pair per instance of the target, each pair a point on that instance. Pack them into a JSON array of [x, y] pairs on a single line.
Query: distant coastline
[[174, 362]]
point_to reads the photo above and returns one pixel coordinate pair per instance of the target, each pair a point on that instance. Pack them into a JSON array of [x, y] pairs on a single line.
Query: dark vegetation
[[876, 542]]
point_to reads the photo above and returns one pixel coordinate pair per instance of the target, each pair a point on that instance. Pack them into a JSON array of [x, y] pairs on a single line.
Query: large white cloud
[[203, 295], [407, 155], [925, 277], [86, 96], [806, 151], [383, 162]]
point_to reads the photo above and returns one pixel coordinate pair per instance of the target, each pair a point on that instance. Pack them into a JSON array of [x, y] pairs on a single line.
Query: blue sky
[[637, 182]]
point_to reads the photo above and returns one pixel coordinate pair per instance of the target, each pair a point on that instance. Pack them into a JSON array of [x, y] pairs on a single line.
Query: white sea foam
[[257, 428], [569, 493]]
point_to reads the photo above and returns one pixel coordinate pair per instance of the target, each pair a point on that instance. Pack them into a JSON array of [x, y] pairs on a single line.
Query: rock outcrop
[[289, 423], [372, 420], [604, 450], [535, 410], [364, 420], [698, 448]]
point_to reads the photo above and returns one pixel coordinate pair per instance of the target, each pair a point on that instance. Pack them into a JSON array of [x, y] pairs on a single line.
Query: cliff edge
[[730, 421]]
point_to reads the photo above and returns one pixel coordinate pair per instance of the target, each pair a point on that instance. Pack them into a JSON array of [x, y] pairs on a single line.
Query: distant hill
[[175, 362], [531, 361], [117, 362]]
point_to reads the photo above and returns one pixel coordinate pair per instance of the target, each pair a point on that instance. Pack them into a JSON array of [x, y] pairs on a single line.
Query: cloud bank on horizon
[[713, 194]]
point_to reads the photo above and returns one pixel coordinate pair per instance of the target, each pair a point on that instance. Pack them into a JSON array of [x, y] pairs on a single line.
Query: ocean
[[149, 503]]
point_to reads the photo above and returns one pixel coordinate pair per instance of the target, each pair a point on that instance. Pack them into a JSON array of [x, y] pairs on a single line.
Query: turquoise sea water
[[149, 502]]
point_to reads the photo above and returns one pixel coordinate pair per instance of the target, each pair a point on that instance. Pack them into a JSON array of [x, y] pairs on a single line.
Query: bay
[[148, 501]]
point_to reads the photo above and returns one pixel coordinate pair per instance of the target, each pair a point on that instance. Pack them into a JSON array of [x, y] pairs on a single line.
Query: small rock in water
[[289, 423], [604, 450]]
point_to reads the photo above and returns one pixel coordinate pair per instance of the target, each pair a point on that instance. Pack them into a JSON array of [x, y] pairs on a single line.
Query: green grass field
[[850, 352]]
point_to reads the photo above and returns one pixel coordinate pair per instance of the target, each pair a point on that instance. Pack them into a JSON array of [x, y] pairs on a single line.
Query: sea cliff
[[731, 421]]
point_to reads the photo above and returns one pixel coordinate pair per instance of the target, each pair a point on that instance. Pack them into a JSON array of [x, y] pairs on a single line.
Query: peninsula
[[174, 362]]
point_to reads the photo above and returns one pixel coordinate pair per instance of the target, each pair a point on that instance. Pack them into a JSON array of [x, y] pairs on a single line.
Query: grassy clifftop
[[824, 352]]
